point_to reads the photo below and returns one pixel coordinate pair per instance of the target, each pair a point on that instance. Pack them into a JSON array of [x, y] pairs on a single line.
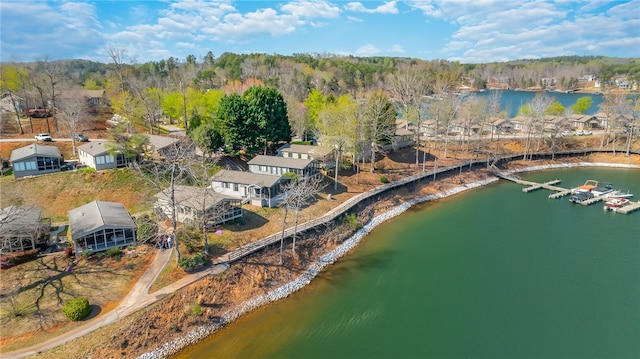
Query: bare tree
[[613, 108], [52, 72], [379, 123], [75, 111], [298, 193], [408, 85], [634, 112], [166, 174]]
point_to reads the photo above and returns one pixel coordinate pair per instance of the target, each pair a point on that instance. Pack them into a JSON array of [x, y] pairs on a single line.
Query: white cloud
[[311, 9], [367, 50], [396, 49], [389, 7]]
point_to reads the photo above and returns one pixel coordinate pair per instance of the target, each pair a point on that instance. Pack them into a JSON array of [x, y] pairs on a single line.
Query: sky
[[469, 31]]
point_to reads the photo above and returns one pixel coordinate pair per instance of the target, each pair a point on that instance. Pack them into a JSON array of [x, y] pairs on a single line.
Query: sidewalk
[[137, 299]]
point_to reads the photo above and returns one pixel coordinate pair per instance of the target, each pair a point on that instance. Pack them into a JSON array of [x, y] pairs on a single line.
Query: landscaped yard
[[32, 293]]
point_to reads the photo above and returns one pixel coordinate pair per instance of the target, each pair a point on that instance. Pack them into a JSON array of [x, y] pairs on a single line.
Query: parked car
[[80, 137], [567, 133], [43, 137], [583, 133]]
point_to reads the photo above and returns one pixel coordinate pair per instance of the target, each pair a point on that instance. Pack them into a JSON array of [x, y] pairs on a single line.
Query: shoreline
[[200, 333], [175, 346]]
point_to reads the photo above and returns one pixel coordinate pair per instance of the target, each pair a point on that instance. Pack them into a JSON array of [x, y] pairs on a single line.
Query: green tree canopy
[[581, 105], [208, 138], [269, 111], [556, 109]]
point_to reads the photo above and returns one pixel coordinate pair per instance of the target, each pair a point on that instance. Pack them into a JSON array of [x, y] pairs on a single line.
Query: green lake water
[[491, 273]]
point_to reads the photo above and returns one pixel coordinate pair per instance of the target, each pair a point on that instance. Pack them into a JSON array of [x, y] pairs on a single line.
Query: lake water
[[491, 273], [511, 101]]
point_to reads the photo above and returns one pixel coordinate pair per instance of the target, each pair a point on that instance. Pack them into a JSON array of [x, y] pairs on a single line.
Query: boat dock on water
[[579, 195]]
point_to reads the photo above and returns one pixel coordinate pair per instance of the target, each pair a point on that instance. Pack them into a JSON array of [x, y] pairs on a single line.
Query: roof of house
[[34, 150], [82, 92], [318, 151], [246, 178], [19, 219], [273, 161], [96, 148], [92, 216], [193, 197], [159, 142]]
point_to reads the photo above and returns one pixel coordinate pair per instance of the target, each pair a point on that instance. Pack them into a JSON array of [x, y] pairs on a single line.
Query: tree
[[10, 82], [239, 129], [314, 103], [379, 123], [613, 107], [269, 111], [337, 128], [298, 193], [74, 113], [556, 109], [129, 107], [582, 105], [207, 138], [408, 85], [176, 168]]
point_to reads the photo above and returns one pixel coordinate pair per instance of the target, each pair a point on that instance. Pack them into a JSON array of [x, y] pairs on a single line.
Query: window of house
[[18, 166], [235, 187], [225, 184], [262, 168]]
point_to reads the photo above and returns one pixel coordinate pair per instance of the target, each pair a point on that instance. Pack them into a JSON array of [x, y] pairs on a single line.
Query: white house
[[101, 155]]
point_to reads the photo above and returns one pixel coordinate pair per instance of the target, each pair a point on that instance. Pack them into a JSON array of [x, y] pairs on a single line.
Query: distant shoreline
[[175, 346]]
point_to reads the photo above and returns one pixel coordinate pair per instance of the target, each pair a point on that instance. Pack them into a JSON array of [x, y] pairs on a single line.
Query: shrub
[[68, 252], [191, 263], [101, 255], [384, 179], [352, 221], [85, 254], [77, 309], [114, 252]]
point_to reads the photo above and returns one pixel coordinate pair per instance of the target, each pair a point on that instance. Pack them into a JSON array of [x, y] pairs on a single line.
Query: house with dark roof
[[192, 204], [263, 190], [98, 226], [96, 100], [22, 229], [582, 122], [101, 155], [35, 160]]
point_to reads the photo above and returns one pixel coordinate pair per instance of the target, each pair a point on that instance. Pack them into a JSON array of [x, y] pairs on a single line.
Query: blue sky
[[469, 31]]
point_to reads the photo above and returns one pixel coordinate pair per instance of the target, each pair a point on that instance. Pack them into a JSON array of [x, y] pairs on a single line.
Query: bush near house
[[192, 263], [76, 309]]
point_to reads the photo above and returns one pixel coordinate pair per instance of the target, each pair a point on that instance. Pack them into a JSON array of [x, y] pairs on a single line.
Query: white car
[[583, 133], [43, 137]]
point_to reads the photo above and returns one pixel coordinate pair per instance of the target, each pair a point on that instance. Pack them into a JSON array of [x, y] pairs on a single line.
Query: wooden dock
[[591, 200], [632, 207]]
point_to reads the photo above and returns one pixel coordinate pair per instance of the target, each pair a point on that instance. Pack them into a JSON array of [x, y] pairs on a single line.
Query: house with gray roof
[[98, 226], [273, 165], [22, 229], [324, 155], [35, 160], [160, 146], [101, 155], [193, 204], [261, 190]]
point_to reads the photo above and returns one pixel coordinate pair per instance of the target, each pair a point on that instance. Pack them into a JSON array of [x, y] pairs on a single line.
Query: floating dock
[[561, 192], [631, 207]]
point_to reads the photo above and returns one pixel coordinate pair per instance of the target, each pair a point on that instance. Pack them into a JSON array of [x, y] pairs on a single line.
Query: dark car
[[80, 137]]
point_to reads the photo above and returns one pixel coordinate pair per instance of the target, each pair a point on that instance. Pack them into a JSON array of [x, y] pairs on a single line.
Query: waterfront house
[[322, 154], [193, 204], [273, 165], [22, 229], [98, 226], [263, 190], [582, 122], [35, 159], [101, 155], [96, 100]]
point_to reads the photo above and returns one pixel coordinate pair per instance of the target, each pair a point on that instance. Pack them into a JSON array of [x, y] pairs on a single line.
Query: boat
[[615, 203], [620, 194], [601, 190], [580, 197], [587, 186]]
